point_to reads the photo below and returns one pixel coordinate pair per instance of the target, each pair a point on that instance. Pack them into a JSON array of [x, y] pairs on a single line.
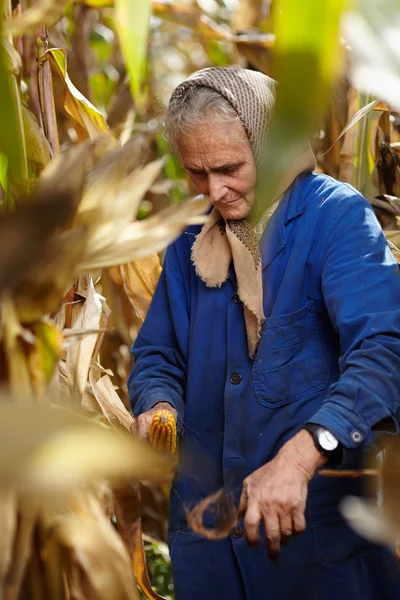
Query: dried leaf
[[360, 114], [79, 355], [76, 104], [113, 244], [140, 278], [127, 504], [225, 513], [8, 528], [43, 287], [365, 518], [109, 401], [48, 450], [48, 12], [22, 550], [124, 193], [15, 340], [96, 549]]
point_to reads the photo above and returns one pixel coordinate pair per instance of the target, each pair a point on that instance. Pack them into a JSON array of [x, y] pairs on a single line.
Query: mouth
[[227, 202]]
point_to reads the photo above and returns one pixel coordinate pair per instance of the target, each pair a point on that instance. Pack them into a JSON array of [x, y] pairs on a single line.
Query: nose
[[216, 187]]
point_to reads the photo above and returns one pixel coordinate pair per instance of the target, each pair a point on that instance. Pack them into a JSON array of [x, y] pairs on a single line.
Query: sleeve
[[160, 350], [361, 288]]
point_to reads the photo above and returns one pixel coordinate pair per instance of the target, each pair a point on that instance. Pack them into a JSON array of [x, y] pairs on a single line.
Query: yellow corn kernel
[[163, 431]]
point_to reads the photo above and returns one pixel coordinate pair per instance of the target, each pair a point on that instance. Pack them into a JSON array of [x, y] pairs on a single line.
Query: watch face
[[327, 440]]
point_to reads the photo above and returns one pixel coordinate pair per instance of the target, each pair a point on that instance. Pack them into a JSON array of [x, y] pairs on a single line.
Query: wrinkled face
[[220, 163]]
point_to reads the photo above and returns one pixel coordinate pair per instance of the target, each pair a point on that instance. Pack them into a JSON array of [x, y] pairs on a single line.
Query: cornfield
[[90, 198]]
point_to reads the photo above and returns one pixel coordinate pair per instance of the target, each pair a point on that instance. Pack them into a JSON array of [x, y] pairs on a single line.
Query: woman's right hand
[[141, 425]]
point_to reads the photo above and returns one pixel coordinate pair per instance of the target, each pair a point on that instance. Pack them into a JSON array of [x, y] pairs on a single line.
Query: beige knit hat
[[252, 96]]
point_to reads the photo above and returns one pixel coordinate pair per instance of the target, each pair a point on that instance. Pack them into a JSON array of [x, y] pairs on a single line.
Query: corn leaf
[[140, 278], [365, 518], [37, 147], [15, 339], [48, 344], [360, 114], [12, 58], [100, 563], [113, 244], [124, 193], [49, 450], [109, 401], [8, 528], [305, 62], [75, 103], [373, 32], [79, 355], [127, 502], [47, 12], [22, 550], [133, 21], [3, 176], [12, 141]]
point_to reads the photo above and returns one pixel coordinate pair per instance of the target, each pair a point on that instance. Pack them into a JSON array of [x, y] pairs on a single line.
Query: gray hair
[[195, 107]]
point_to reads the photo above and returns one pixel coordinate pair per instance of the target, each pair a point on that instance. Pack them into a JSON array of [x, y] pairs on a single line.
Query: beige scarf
[[252, 96]]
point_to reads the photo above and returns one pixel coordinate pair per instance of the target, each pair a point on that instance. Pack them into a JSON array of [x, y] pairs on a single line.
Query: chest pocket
[[290, 363]]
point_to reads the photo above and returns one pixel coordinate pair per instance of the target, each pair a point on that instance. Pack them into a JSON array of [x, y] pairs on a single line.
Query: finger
[[142, 427], [286, 527], [133, 427], [273, 534], [252, 520], [242, 503], [299, 522]]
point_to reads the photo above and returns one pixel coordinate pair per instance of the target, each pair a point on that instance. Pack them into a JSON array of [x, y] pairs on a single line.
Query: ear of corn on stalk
[[163, 431]]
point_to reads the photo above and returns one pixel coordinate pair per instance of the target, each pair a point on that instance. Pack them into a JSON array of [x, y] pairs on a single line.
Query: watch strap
[[334, 456]]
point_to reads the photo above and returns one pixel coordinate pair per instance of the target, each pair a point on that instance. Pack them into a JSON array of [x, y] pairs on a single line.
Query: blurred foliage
[[89, 198], [159, 567]]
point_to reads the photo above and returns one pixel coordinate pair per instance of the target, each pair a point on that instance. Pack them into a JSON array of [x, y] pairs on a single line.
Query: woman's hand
[[141, 425], [277, 492]]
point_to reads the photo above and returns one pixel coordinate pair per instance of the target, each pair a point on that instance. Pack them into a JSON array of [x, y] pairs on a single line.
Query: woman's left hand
[[277, 492]]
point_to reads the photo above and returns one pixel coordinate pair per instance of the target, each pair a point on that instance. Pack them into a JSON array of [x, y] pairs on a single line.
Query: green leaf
[[12, 142], [133, 21], [3, 175], [48, 346], [306, 59]]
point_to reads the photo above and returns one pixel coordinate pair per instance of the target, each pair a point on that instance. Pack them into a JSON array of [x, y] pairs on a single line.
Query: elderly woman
[[276, 345]]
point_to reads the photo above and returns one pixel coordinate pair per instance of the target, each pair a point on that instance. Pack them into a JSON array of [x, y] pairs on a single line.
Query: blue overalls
[[329, 353]]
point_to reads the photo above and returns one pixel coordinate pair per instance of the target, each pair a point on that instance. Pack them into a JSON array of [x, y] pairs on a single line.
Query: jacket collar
[[292, 205]]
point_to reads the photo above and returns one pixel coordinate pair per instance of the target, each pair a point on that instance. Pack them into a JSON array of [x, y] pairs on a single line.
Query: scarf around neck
[[221, 242]]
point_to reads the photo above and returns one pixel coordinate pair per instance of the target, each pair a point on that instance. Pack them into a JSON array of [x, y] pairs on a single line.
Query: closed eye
[[227, 169]]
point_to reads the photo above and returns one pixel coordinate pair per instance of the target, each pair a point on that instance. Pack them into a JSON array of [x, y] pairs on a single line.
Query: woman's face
[[220, 163]]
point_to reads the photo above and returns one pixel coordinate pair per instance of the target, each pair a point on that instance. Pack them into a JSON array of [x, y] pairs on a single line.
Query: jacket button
[[235, 378], [237, 533], [236, 299], [356, 436]]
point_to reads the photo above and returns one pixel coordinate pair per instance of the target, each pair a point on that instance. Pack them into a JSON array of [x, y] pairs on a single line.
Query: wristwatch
[[325, 441]]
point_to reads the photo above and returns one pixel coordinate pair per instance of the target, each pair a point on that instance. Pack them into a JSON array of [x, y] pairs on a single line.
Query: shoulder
[[183, 244], [324, 192], [178, 256], [327, 200]]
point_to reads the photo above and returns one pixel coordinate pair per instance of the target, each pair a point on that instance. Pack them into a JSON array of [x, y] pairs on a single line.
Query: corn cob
[[163, 431]]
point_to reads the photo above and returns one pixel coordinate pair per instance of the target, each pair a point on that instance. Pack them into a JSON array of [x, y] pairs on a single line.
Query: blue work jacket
[[329, 353]]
